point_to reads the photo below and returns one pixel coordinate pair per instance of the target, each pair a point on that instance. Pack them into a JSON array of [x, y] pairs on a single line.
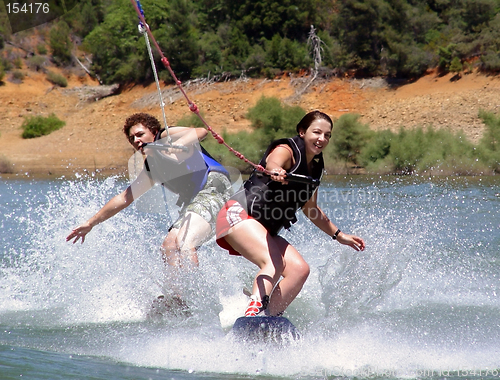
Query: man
[[201, 182]]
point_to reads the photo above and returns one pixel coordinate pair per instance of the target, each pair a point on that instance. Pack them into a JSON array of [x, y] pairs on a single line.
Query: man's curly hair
[[150, 122]]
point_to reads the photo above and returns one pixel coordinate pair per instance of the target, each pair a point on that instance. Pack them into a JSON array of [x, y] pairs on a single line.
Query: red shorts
[[229, 216]]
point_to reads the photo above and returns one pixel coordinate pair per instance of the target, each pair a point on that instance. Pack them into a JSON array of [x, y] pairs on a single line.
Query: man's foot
[[172, 305], [257, 307]]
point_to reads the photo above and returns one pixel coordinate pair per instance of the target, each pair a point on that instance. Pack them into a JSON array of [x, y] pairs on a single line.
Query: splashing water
[[420, 300]]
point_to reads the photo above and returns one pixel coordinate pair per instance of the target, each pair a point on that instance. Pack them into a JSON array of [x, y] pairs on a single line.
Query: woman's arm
[[279, 161], [119, 202], [319, 218]]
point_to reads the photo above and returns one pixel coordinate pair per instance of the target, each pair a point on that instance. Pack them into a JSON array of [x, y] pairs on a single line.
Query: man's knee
[[170, 243]]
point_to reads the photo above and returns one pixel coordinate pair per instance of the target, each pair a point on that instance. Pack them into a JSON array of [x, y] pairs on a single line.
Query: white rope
[[143, 30]]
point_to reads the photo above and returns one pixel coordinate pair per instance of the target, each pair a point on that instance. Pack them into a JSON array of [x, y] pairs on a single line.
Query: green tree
[[286, 54], [119, 50], [117, 54], [456, 65], [358, 30], [60, 43], [445, 57], [235, 49], [179, 39], [210, 55], [478, 13], [264, 18]]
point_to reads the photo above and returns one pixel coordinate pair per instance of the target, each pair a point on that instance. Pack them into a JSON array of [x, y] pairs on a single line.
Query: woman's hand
[[279, 174], [353, 241], [79, 232]]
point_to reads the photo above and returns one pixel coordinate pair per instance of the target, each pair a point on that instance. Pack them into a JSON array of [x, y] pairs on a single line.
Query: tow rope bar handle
[[157, 146], [290, 177]]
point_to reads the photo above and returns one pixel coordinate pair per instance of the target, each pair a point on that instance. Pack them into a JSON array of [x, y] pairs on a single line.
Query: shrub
[[5, 63], [276, 120], [377, 148], [490, 62], [41, 49], [349, 137], [444, 149], [36, 62], [36, 126], [191, 120], [419, 150], [18, 76], [57, 79], [445, 56], [267, 113], [5, 165], [489, 145], [18, 63]]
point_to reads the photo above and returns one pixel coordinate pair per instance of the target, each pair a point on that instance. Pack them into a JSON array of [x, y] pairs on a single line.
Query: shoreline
[[92, 140]]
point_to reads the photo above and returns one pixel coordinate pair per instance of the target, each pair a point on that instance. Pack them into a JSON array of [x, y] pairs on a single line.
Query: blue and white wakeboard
[[265, 329]]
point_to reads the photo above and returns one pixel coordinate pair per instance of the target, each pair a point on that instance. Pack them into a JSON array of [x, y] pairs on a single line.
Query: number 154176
[[27, 8]]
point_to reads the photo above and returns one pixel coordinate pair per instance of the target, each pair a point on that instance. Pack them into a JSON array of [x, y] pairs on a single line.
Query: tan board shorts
[[208, 202]]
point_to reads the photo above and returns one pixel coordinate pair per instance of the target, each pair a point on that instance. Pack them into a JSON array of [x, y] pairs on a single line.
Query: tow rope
[[144, 29]]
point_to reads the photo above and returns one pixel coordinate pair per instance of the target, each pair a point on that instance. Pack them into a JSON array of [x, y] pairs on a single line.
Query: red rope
[[192, 106]]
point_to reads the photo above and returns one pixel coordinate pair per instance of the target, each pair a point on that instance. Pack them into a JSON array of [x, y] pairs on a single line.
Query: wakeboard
[[265, 329]]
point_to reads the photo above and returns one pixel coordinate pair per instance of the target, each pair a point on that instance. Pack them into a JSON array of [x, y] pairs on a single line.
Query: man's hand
[[79, 232]]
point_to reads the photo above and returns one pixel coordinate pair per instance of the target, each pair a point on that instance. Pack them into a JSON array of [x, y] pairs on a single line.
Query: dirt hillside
[[92, 139]]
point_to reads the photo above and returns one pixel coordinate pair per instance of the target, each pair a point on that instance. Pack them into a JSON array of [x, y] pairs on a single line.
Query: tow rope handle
[[290, 177], [162, 147], [299, 178]]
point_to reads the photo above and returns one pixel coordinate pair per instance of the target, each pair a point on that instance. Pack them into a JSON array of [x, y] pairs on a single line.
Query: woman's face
[[316, 137]]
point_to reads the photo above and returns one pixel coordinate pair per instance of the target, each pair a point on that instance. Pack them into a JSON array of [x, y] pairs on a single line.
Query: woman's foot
[[257, 307]]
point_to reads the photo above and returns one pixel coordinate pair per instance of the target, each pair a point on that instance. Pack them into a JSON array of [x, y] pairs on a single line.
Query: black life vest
[[270, 202], [184, 178]]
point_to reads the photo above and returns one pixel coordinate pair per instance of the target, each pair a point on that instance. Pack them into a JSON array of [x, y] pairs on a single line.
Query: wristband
[[334, 237]]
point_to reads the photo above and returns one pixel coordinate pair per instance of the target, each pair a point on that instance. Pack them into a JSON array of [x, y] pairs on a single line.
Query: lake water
[[422, 301]]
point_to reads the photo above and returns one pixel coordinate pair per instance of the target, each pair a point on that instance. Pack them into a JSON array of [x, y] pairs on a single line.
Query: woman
[[249, 223]]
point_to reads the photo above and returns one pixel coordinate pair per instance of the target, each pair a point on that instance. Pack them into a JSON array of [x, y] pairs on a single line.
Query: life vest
[[185, 178], [270, 202]]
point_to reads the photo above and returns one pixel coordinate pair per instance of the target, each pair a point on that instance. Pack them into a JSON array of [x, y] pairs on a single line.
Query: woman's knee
[[273, 268], [305, 270], [299, 270]]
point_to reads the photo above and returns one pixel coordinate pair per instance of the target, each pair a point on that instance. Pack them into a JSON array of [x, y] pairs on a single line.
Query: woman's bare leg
[[294, 276], [254, 243], [275, 257]]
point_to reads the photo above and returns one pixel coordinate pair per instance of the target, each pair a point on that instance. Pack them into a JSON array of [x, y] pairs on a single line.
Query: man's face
[[139, 135]]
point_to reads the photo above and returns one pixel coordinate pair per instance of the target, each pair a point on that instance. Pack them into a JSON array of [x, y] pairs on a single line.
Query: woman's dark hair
[[310, 117], [150, 122]]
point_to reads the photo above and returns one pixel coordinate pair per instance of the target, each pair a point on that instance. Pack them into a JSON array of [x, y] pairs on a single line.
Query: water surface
[[421, 302]]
